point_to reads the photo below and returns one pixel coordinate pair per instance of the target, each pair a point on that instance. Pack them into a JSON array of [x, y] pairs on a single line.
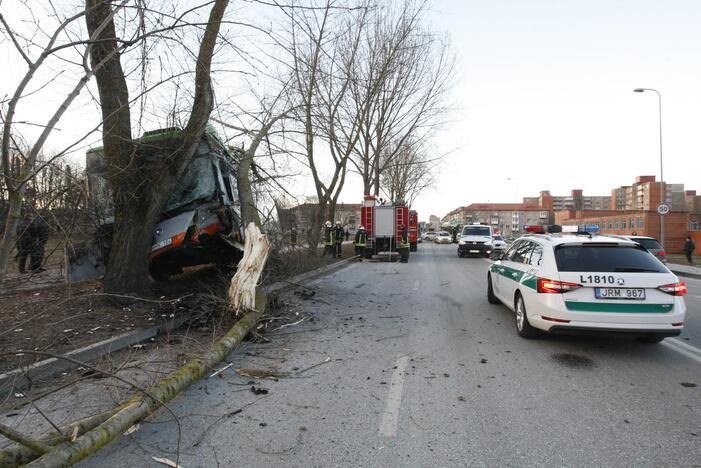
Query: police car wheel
[[649, 339], [523, 327], [491, 298]]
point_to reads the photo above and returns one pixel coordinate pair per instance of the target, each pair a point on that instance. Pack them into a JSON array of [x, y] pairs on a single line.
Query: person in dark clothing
[[689, 247], [329, 240], [347, 235], [403, 245], [338, 238], [32, 235], [360, 242], [25, 242]]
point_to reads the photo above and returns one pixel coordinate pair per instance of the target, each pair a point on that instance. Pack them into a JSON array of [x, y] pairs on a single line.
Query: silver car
[[443, 237]]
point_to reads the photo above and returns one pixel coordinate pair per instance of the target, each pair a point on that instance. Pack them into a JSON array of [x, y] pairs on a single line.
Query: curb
[[308, 275], [685, 274], [20, 379]]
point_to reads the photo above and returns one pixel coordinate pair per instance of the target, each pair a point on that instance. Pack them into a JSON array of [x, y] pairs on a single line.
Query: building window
[[693, 225], [610, 224], [640, 222], [623, 224]]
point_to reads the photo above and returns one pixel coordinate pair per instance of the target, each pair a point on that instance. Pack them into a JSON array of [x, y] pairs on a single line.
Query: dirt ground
[[42, 313]]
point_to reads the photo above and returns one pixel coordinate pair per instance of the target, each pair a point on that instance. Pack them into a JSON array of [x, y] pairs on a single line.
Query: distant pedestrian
[[329, 241], [347, 235], [293, 235], [338, 239], [360, 242], [689, 247], [25, 241], [32, 235], [404, 245]]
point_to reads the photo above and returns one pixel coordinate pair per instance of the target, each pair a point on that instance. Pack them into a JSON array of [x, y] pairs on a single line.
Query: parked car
[[499, 245], [443, 237], [429, 236], [587, 284], [652, 245]]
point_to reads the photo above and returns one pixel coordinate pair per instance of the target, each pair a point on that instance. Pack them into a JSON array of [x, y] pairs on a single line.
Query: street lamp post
[[662, 184]]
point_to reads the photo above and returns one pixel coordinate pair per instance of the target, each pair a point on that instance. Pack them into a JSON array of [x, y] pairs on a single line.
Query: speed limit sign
[[663, 208]]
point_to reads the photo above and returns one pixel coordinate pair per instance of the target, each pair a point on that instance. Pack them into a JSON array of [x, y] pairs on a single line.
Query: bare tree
[[408, 173], [324, 43], [140, 186], [20, 167], [401, 86]]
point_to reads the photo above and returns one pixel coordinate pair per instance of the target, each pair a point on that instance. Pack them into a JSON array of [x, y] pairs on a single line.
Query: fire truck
[[414, 234], [383, 224]]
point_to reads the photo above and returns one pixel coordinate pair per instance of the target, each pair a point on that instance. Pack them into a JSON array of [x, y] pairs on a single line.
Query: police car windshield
[[606, 259], [476, 231]]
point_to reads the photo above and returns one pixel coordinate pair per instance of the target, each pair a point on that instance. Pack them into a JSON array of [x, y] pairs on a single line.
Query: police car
[[580, 282]]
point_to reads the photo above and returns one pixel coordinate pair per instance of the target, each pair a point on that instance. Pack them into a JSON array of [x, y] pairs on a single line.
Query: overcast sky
[[544, 97]]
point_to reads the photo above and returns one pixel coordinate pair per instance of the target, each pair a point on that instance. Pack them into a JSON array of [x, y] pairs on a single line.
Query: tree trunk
[[315, 231], [142, 406], [13, 214], [140, 188], [242, 290], [249, 211]]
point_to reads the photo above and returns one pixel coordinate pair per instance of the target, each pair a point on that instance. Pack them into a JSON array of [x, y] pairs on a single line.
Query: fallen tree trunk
[[20, 455], [244, 297], [69, 453]]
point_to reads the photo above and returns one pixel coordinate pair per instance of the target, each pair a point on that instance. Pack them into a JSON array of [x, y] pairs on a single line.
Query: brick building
[[643, 223], [575, 201], [301, 216], [646, 193], [508, 217]]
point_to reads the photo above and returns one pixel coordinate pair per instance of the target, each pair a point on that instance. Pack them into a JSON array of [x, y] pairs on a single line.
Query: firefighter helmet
[[328, 223], [361, 227], [338, 223]]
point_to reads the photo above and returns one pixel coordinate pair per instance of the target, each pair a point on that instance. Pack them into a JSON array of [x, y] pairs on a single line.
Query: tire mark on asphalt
[[390, 417]]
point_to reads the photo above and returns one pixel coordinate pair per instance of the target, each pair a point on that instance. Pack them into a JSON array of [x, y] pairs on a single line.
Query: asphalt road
[[408, 365]]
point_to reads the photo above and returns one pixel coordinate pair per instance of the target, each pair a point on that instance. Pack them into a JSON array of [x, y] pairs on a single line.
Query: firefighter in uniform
[[360, 242], [338, 239], [404, 245], [329, 232]]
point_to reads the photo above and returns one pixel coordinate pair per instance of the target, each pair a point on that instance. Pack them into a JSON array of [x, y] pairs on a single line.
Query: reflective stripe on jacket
[[361, 239], [329, 235]]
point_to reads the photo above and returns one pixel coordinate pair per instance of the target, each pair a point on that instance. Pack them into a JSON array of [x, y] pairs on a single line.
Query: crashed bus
[[200, 222]]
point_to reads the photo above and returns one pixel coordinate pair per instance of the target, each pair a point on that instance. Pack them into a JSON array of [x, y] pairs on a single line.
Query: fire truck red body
[[383, 224], [413, 230]]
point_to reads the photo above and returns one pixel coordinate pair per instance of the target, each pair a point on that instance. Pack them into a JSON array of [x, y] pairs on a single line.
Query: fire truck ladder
[[400, 220], [369, 223]]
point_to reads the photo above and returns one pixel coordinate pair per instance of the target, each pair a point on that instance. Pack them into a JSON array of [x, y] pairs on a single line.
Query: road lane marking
[[683, 348], [416, 286], [390, 417]]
